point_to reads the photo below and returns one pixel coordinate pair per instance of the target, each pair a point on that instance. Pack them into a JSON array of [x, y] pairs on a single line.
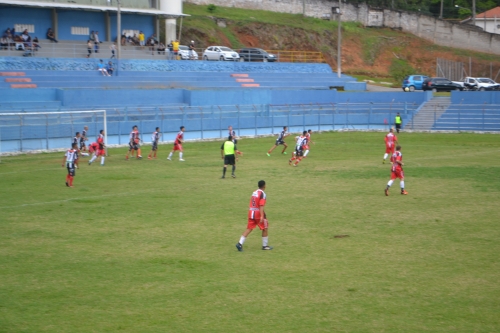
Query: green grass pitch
[[149, 246]]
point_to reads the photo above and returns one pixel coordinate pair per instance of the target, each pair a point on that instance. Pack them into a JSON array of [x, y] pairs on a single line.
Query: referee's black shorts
[[229, 160]]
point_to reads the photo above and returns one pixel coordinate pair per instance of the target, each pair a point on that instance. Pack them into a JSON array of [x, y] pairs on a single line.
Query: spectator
[[141, 39], [170, 50], [109, 68], [175, 47], [161, 48], [102, 69], [89, 48], [96, 37], [91, 36], [153, 37], [124, 40], [112, 47], [96, 42], [135, 40], [51, 36], [4, 43], [191, 50], [151, 43]]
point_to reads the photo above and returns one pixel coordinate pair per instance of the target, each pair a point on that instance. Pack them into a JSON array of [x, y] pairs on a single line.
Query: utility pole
[[339, 42], [474, 12], [441, 10], [118, 35]]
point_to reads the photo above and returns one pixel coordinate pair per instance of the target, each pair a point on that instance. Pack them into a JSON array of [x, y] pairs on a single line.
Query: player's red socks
[[71, 180]]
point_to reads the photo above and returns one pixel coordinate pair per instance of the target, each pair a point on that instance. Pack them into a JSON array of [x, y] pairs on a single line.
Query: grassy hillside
[[367, 52]]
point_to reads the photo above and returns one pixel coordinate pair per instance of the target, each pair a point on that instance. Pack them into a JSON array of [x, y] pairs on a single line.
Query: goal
[[47, 131]]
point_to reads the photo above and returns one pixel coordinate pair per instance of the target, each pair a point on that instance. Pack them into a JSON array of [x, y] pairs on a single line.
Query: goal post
[[23, 132]]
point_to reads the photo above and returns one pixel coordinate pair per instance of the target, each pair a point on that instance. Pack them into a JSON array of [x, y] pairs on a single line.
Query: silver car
[[220, 53]]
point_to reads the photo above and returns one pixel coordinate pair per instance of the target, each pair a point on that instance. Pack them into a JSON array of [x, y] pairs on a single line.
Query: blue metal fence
[[46, 131]]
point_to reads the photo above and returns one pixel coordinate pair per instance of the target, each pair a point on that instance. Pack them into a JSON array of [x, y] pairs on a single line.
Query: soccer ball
[[407, 89]]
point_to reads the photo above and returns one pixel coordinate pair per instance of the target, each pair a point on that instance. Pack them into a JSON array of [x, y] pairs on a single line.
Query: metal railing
[[44, 132]]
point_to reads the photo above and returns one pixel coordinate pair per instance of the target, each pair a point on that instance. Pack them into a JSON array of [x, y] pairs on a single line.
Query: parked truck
[[478, 83]]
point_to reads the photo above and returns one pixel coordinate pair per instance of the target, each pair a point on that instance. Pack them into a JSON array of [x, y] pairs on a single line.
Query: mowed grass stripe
[[148, 246]]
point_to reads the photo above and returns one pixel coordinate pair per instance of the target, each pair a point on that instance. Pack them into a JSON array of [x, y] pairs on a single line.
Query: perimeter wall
[[435, 30]]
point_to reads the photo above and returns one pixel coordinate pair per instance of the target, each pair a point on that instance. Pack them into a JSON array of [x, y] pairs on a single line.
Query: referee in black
[[227, 151]]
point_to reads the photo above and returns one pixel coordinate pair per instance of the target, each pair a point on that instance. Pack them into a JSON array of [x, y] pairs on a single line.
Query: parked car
[[478, 83], [185, 55], [440, 84], [255, 54], [413, 82], [221, 53]]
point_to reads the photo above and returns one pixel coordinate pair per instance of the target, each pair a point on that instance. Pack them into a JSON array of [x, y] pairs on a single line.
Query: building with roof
[[489, 20], [75, 19]]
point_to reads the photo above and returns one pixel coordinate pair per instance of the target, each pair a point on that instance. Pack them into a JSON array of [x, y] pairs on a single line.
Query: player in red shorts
[[179, 139], [257, 217], [397, 171], [93, 147], [390, 142], [100, 149]]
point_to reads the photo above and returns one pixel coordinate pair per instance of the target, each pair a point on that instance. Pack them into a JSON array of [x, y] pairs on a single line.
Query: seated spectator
[[109, 68], [102, 69], [161, 48], [51, 36], [4, 43], [153, 37], [135, 40], [25, 36], [124, 40], [36, 43]]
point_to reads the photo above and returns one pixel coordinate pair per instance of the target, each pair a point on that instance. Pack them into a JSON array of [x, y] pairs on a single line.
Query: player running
[[155, 137], [179, 139], [306, 147], [397, 171], [70, 159], [257, 217], [134, 143], [280, 141], [93, 147], [390, 141], [299, 149], [100, 149]]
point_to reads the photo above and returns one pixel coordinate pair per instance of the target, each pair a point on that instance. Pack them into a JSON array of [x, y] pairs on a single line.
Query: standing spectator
[[96, 42], [141, 39], [170, 50], [112, 47], [89, 48], [102, 69], [109, 68], [191, 50], [91, 36], [175, 48], [51, 36], [151, 43]]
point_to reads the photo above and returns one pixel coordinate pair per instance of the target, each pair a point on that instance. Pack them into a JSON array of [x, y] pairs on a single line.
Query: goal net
[[47, 131]]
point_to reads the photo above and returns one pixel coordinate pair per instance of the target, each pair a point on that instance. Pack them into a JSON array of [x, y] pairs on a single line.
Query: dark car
[[440, 84], [255, 54]]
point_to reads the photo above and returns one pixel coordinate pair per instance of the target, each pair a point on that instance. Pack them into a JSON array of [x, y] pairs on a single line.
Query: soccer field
[[149, 245]]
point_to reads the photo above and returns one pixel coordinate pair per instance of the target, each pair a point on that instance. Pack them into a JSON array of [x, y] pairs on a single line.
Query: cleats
[[404, 192], [289, 162], [168, 158], [284, 153], [266, 248], [223, 177], [149, 157], [139, 157], [181, 160], [90, 163], [383, 161], [268, 154], [239, 247], [67, 184], [386, 191], [233, 175]]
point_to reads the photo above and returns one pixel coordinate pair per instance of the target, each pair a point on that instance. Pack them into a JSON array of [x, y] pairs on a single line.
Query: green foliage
[[400, 68], [148, 246], [211, 8]]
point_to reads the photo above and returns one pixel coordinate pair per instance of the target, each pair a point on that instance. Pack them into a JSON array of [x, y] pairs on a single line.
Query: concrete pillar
[[108, 27], [55, 23], [171, 7], [170, 33]]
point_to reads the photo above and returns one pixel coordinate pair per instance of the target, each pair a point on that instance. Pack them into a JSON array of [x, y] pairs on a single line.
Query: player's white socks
[[306, 152], [180, 156], [242, 239], [265, 240], [402, 184], [102, 160], [93, 158], [85, 154], [385, 156], [390, 183], [170, 155]]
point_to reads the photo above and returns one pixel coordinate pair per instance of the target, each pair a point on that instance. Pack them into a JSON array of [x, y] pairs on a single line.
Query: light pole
[[118, 35], [339, 41], [473, 11]]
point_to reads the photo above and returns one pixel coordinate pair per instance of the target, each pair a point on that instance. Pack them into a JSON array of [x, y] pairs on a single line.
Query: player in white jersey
[[70, 159], [155, 137], [299, 149]]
